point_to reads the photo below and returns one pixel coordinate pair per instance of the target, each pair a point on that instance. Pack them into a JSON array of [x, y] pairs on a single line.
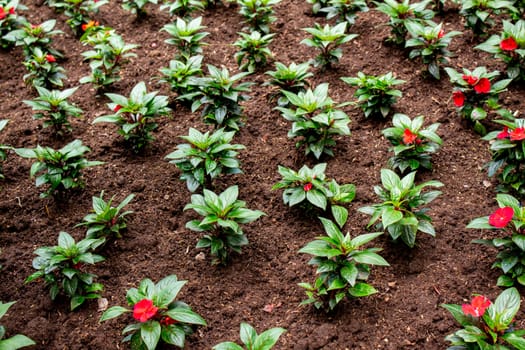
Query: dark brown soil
[[405, 314]]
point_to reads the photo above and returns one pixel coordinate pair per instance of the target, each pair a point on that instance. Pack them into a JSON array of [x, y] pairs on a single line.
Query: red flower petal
[[508, 44], [441, 33], [470, 79], [12, 11], [144, 310], [483, 86], [504, 134], [409, 137], [117, 108], [3, 14], [517, 134], [307, 187], [50, 58], [501, 217], [166, 321], [477, 306], [459, 98]]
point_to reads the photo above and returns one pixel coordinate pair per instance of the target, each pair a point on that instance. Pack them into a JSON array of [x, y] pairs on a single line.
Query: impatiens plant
[[32, 37], [183, 8], [399, 213], [43, 70], [205, 157], [401, 13], [137, 7], [61, 170], [480, 14], [62, 268], [507, 147], [253, 341], [109, 54], [3, 148], [290, 78], [15, 342], [54, 107], [135, 115], [179, 76], [375, 94], [486, 325], [160, 317], [186, 36], [258, 14], [474, 92], [223, 216], [327, 40], [509, 46], [253, 51], [10, 20], [510, 219], [106, 220], [343, 266], [220, 94], [412, 145], [430, 42], [79, 12], [310, 187], [315, 120], [345, 10]]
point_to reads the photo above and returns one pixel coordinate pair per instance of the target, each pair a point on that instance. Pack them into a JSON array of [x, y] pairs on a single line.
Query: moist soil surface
[[258, 286]]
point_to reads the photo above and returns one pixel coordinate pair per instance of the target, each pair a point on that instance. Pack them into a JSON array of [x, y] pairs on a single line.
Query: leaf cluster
[[179, 75], [344, 10], [292, 78], [11, 21], [253, 341], [183, 8], [479, 14], [253, 48], [258, 14], [186, 36]]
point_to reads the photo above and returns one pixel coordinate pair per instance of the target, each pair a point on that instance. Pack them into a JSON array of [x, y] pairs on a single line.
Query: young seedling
[[253, 341], [292, 78], [253, 49], [180, 74], [186, 36], [258, 14]]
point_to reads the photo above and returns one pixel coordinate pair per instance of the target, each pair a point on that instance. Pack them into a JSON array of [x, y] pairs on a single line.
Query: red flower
[[470, 79], [459, 98], [517, 134], [144, 310], [441, 33], [117, 108], [3, 14], [88, 25], [504, 134], [409, 137], [307, 187], [501, 217], [50, 58], [12, 11], [483, 86], [477, 306], [166, 321], [508, 44]]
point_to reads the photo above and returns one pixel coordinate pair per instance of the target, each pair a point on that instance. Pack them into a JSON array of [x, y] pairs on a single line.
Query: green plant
[[507, 148], [343, 266], [375, 94], [78, 12], [179, 76], [479, 14], [109, 54], [61, 267], [290, 78], [509, 46], [32, 37], [253, 48], [401, 13], [510, 218], [160, 316], [398, 213], [205, 157], [43, 70], [54, 107], [315, 120], [61, 170], [258, 14], [474, 91], [430, 42], [412, 145], [222, 216], [3, 149], [312, 186], [317, 5], [15, 342], [105, 220], [253, 341], [135, 115], [137, 7], [183, 8], [486, 325], [186, 36], [327, 40], [220, 94], [345, 10], [10, 20]]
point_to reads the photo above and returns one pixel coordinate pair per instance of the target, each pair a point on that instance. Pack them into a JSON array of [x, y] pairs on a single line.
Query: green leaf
[[340, 214], [227, 346], [505, 307], [390, 216], [167, 290], [389, 179], [367, 257], [267, 339], [112, 312], [186, 316], [173, 334], [248, 335], [150, 334], [16, 342], [317, 198], [362, 290]]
